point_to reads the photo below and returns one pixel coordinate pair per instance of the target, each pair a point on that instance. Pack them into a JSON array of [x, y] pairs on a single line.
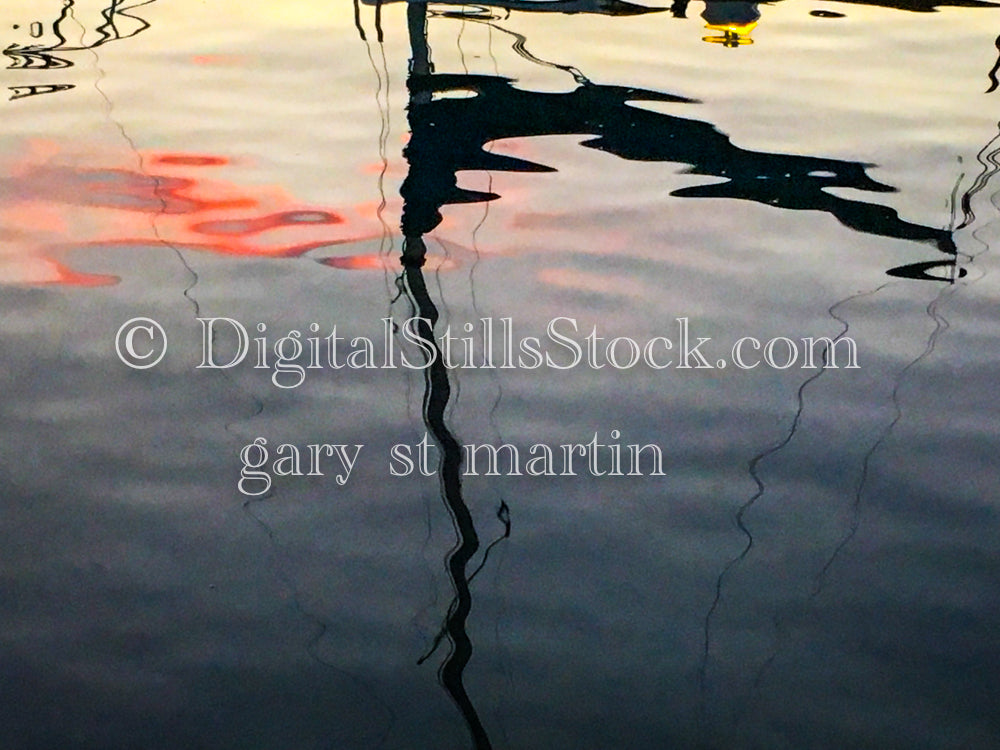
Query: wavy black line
[[752, 467], [992, 75]]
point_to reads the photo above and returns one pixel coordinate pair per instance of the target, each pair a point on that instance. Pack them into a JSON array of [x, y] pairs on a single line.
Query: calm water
[[817, 564]]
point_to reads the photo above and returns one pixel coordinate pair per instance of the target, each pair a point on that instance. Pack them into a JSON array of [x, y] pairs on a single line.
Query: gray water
[[816, 565]]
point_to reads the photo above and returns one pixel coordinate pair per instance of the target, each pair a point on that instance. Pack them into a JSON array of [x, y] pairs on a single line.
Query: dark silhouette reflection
[[23, 92], [947, 271], [922, 6], [114, 22], [437, 393], [992, 75], [450, 134]]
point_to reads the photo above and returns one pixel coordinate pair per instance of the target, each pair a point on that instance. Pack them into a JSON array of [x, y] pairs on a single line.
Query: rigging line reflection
[[520, 47], [158, 195], [940, 325], [156, 182], [486, 206], [382, 90], [820, 580], [437, 396], [458, 42], [781, 630], [745, 507], [492, 373], [752, 470], [987, 158], [954, 199], [503, 511], [956, 271], [321, 625]]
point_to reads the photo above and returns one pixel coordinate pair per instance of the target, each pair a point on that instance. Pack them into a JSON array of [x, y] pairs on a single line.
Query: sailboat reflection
[[450, 135]]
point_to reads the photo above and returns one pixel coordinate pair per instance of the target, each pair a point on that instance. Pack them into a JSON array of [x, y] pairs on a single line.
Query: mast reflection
[[437, 393]]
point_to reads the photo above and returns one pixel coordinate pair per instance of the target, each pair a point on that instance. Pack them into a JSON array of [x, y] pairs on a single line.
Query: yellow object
[[734, 34]]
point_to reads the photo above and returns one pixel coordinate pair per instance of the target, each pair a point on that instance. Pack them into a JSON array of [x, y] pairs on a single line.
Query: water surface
[[816, 565]]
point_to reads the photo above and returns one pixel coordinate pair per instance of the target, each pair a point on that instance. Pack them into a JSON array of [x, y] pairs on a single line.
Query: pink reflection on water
[[236, 227], [367, 262], [52, 203]]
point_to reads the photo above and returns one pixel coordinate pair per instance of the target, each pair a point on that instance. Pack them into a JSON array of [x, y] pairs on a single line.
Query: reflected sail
[[450, 135]]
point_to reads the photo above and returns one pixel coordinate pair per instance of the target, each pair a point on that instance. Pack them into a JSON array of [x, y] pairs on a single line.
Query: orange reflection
[[191, 160], [54, 203], [362, 262]]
